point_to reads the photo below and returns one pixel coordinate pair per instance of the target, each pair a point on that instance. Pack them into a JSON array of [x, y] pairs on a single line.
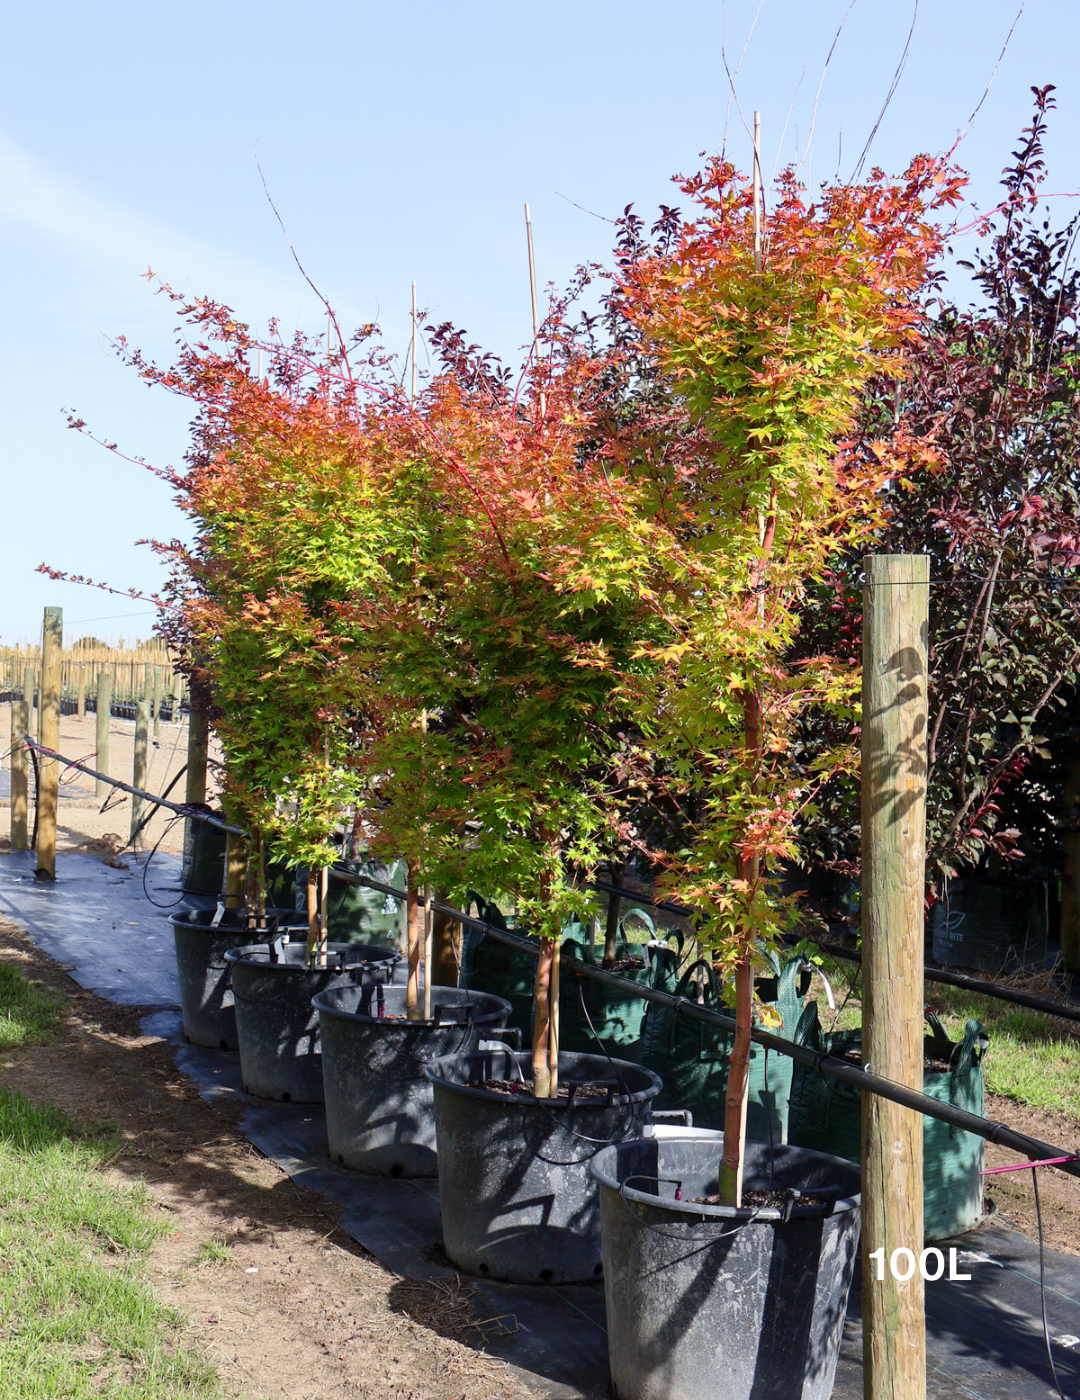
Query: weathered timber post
[[52, 651], [102, 716], [895, 623], [80, 694], [198, 745], [236, 861], [156, 701], [20, 726], [142, 732]]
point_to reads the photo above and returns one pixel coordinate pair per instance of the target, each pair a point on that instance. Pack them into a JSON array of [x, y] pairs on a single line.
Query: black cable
[[37, 798], [1042, 1286], [146, 868]]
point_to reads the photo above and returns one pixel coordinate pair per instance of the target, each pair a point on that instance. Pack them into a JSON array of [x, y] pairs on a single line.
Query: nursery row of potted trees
[[508, 632]]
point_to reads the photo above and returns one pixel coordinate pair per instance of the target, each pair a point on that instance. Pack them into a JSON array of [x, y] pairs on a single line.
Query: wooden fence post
[[156, 701], [80, 694], [102, 716], [895, 613], [142, 729], [52, 651], [198, 744], [20, 727]]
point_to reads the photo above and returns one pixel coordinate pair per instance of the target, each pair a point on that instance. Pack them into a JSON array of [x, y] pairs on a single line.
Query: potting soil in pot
[[704, 1301], [826, 1115], [517, 1200]]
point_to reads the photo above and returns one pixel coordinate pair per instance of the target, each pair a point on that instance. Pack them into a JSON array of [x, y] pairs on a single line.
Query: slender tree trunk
[[542, 1021], [412, 921], [611, 926], [314, 937], [553, 1022]]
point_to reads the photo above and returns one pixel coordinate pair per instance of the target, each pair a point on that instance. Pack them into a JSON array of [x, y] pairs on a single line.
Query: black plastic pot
[[202, 938], [518, 1202], [277, 1026], [379, 1111], [706, 1301]]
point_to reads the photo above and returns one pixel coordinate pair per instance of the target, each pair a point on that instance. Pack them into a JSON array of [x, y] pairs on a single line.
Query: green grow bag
[[356, 913], [989, 927], [692, 1058], [488, 966], [826, 1116], [203, 868], [589, 1012]]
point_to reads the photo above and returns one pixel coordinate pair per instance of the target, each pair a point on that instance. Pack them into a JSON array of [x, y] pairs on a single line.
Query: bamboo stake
[[553, 1023], [142, 734], [324, 915], [313, 914], [48, 791], [895, 606], [535, 313], [757, 192], [413, 398], [20, 727]]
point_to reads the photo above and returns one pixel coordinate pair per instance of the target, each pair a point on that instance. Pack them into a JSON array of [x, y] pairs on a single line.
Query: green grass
[[77, 1320], [1033, 1059], [212, 1252], [28, 1010]]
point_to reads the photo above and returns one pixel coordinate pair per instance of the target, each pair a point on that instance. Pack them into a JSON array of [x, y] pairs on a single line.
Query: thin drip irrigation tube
[[830, 1065]]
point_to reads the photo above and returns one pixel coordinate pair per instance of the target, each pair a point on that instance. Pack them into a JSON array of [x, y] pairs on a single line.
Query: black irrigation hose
[[994, 990], [831, 1065], [181, 809]]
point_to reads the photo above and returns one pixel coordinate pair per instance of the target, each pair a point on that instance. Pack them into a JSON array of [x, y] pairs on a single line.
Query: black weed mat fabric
[[984, 1335]]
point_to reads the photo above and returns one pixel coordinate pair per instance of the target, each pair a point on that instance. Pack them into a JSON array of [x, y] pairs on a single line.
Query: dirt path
[[299, 1311], [1012, 1192]]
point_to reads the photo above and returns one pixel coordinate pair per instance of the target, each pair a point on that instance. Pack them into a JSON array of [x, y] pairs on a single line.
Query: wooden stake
[[535, 313], [413, 398], [429, 974], [412, 925], [553, 1024], [142, 737], [80, 694], [757, 192], [52, 651], [20, 727], [102, 716], [324, 915], [895, 609]]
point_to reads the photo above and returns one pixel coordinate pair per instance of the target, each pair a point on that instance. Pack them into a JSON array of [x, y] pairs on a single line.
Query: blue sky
[[399, 143]]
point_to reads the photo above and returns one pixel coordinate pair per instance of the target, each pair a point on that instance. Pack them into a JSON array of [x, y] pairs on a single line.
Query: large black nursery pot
[[202, 938], [277, 1026], [518, 1202], [706, 1301], [379, 1109]]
